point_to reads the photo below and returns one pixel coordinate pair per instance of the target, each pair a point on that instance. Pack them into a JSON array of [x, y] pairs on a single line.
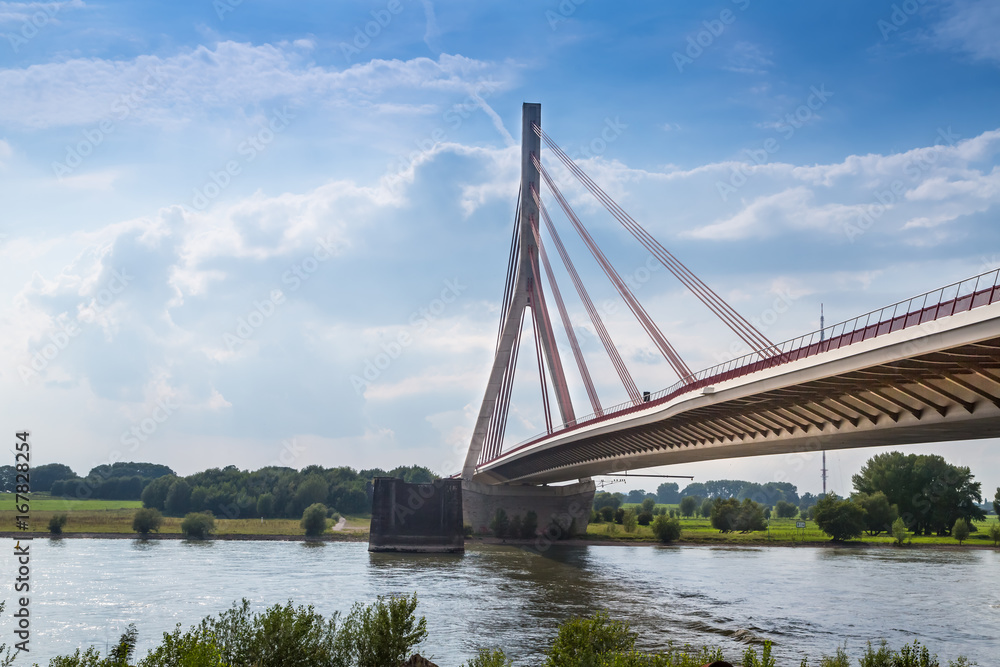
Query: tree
[[879, 514], [605, 499], [44, 476], [607, 513], [786, 510], [666, 530], [56, 524], [515, 526], [636, 496], [619, 515], [706, 507], [994, 533], [688, 505], [500, 523], [198, 525], [840, 519], [669, 493], [930, 494], [155, 493], [996, 502], [644, 518], [178, 498], [960, 531], [146, 520], [529, 526], [313, 489], [899, 531], [648, 503], [265, 505], [314, 520], [629, 521]]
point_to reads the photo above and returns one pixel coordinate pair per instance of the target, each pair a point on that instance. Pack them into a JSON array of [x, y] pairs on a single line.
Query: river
[[806, 600]]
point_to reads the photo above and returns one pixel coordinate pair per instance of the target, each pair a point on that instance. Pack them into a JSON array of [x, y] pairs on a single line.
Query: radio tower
[[824, 472]]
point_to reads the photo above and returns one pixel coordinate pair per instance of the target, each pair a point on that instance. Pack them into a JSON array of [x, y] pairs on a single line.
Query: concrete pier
[[566, 506], [417, 518]]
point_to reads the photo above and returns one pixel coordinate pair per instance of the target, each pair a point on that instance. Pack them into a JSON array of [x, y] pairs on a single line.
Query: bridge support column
[[567, 507], [417, 518]]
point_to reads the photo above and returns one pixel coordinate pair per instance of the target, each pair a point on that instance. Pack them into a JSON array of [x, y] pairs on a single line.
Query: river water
[[806, 600]]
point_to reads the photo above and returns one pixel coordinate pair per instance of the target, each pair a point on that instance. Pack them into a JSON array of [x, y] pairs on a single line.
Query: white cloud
[[19, 12], [229, 75], [970, 26]]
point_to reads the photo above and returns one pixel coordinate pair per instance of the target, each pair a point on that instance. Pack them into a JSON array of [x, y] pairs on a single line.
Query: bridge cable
[[595, 318], [736, 322], [668, 351], [574, 343]]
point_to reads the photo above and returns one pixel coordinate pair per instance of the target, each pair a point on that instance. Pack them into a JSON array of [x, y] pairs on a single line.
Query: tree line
[[272, 492]]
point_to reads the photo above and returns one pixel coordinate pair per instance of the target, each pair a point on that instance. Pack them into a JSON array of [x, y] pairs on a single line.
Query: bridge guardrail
[[962, 296]]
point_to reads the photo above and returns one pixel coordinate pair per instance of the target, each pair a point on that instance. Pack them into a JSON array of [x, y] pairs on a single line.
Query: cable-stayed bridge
[[922, 370]]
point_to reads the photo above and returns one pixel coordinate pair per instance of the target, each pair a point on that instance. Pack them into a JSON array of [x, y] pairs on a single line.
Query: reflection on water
[[806, 600]]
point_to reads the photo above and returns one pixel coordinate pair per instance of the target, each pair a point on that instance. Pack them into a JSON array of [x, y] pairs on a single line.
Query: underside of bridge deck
[[943, 395]]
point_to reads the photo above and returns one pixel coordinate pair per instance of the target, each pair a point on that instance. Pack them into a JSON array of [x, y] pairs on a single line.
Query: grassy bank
[[115, 517], [781, 531]]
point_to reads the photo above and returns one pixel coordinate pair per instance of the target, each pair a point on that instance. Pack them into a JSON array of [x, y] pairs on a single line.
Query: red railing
[[974, 292]]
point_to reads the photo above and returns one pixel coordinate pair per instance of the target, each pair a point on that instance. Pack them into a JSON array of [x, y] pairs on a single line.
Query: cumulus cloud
[[971, 27]]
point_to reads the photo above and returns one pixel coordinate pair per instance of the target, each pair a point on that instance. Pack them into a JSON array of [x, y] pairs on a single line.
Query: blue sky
[[170, 170]]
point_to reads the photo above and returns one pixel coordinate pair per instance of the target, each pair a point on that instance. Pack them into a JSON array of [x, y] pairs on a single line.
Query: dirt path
[[340, 524]]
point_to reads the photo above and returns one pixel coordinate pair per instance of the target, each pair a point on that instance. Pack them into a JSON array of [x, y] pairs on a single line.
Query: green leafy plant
[[56, 524], [314, 520], [146, 520], [666, 530], [490, 658], [198, 525]]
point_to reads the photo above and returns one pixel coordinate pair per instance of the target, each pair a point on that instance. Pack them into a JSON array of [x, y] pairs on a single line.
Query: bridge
[[925, 369]]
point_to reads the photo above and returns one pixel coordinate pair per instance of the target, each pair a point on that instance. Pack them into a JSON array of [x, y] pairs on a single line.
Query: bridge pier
[[568, 506]]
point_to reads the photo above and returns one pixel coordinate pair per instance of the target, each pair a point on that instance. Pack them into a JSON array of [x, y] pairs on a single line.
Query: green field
[[781, 531], [43, 502]]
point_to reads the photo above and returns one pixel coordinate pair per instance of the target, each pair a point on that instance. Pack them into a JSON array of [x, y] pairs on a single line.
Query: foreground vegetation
[[386, 632]]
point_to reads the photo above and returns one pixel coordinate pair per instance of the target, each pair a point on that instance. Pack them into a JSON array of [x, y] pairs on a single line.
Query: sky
[[258, 233]]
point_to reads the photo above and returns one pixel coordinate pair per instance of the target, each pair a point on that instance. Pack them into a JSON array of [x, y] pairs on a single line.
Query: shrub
[[608, 513], [529, 526], [994, 533], [146, 520], [619, 515], [514, 528], [467, 530], [198, 525], [840, 519], [382, 633], [490, 658], [899, 531], [960, 531], [649, 504], [688, 505], [584, 641], [500, 523], [666, 530], [629, 521], [314, 520], [731, 515], [644, 518], [750, 658], [56, 524]]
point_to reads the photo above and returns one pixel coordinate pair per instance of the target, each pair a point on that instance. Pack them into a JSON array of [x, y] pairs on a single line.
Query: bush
[[666, 530], [629, 521], [644, 518], [619, 515], [490, 658], [147, 520], [840, 519], [786, 510], [500, 523], [198, 525], [382, 633], [731, 515], [585, 641], [688, 505], [514, 528], [607, 513], [994, 533], [314, 520], [960, 531], [899, 531], [649, 504], [56, 523]]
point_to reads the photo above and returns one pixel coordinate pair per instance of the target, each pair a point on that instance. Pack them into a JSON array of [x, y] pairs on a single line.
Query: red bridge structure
[[925, 369]]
